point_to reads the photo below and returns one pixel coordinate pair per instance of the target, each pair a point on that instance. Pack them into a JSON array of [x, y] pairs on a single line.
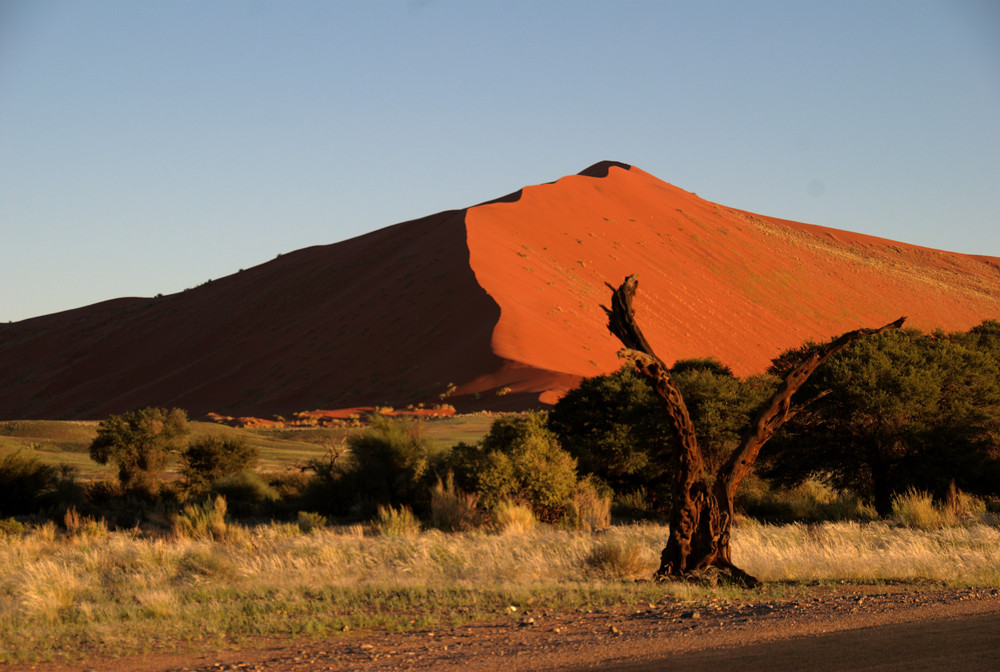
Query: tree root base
[[713, 576]]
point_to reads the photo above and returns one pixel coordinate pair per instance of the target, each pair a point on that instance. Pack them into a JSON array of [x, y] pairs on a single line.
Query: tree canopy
[[138, 443], [904, 410]]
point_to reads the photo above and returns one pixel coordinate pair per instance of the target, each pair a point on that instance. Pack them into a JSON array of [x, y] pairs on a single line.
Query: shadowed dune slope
[[502, 300], [384, 318]]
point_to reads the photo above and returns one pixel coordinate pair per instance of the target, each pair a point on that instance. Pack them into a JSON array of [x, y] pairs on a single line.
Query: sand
[[500, 302]]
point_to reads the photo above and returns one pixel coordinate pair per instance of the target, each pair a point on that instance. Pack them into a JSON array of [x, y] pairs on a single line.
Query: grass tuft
[[513, 518], [621, 559], [203, 521], [451, 509], [393, 522]]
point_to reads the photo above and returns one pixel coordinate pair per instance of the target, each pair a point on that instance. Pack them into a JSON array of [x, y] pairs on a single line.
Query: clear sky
[[146, 147]]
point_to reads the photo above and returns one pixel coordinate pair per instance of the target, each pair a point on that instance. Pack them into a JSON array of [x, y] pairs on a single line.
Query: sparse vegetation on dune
[[63, 595]]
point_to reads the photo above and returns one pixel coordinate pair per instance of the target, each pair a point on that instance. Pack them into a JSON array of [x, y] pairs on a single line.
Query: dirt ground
[[824, 627]]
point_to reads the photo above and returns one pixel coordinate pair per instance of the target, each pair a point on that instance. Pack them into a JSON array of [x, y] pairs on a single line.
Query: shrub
[[212, 457], [246, 493], [10, 528], [618, 559], [392, 522], [512, 518], [309, 521], [28, 486], [615, 426], [329, 488], [519, 459], [389, 463], [451, 509], [204, 521]]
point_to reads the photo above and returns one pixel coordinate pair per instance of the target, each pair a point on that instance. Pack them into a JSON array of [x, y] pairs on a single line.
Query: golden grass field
[[63, 594]]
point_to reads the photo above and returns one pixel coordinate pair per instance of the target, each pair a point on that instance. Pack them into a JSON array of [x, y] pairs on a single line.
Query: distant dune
[[500, 301]]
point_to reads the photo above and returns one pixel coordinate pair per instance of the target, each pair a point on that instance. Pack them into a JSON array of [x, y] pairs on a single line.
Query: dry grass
[[869, 552], [392, 522], [122, 592], [513, 518], [451, 509]]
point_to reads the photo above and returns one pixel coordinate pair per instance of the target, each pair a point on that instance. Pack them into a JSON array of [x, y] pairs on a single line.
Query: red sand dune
[[501, 300]]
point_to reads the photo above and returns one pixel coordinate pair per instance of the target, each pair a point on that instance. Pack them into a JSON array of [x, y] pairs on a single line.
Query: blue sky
[[146, 147]]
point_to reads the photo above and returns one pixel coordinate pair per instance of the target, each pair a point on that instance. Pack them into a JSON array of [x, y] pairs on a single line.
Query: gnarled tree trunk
[[701, 517]]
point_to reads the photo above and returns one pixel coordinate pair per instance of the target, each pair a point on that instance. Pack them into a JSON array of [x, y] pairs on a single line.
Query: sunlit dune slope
[[713, 281], [495, 306]]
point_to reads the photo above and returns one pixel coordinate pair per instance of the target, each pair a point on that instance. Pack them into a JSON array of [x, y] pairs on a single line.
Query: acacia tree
[[702, 514], [138, 443], [613, 425], [909, 410]]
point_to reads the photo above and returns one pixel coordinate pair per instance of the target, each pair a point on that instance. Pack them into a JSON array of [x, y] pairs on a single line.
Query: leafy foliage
[[614, 425], [212, 457], [28, 486], [519, 459], [138, 443], [389, 462], [720, 404], [905, 410]]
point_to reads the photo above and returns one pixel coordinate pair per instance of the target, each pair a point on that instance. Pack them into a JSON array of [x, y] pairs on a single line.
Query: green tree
[[615, 426], [519, 459], [138, 443], [904, 410], [721, 405]]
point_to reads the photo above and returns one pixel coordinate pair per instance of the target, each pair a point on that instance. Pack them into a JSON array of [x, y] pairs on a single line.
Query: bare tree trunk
[[701, 516]]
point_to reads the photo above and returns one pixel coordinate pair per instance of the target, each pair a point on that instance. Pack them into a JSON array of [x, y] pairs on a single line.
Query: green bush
[[212, 457], [309, 521], [246, 493], [388, 464], [616, 427], [10, 528], [29, 486], [329, 486], [519, 459]]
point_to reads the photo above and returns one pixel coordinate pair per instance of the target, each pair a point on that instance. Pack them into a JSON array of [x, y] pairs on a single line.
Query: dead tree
[[701, 517]]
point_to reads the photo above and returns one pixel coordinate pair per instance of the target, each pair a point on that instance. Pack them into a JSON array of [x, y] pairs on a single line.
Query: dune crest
[[713, 280], [497, 306]]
